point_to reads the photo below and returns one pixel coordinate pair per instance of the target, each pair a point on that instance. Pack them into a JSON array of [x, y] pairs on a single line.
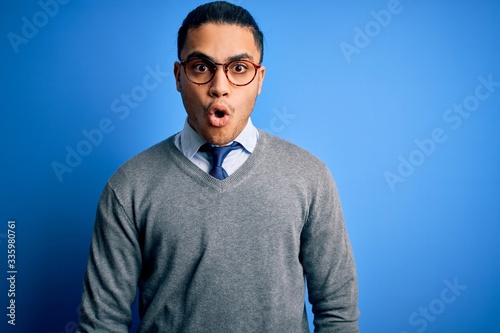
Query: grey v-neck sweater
[[226, 255]]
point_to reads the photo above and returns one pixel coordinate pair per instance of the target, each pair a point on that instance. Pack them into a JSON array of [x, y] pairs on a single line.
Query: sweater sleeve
[[113, 269], [328, 262]]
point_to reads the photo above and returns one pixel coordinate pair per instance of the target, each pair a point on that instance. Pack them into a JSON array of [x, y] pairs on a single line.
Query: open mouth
[[218, 115]]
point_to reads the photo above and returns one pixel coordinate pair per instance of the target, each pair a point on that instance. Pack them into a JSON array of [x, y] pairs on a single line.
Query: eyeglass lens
[[201, 71]]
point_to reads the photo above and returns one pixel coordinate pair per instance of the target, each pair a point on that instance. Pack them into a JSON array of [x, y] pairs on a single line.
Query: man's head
[[219, 98], [219, 12]]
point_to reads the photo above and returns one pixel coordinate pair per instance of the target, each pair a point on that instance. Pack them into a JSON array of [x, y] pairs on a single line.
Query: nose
[[219, 86]]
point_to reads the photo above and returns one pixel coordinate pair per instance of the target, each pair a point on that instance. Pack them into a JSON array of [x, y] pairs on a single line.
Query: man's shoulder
[[145, 164], [289, 152]]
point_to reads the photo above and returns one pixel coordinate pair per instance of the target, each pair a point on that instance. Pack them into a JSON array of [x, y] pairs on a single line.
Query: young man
[[219, 224]]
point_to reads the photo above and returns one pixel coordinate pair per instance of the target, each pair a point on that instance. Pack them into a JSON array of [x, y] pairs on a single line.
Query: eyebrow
[[201, 55]]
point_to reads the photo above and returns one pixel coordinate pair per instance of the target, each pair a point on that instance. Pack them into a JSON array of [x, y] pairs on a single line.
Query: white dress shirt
[[189, 143]]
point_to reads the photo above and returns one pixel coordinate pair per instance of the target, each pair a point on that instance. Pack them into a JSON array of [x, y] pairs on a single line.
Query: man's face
[[218, 111]]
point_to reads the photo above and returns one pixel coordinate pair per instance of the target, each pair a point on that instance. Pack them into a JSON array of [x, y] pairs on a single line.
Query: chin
[[219, 136]]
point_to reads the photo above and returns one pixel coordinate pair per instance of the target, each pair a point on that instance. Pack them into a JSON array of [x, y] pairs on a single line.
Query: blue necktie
[[218, 155]]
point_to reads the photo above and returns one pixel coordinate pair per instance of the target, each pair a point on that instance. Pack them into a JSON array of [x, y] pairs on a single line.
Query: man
[[219, 224]]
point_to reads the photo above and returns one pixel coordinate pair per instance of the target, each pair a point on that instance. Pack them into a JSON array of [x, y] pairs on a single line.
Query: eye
[[238, 67], [200, 67]]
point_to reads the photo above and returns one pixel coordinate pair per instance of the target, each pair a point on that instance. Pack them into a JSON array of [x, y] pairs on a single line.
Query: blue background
[[363, 95]]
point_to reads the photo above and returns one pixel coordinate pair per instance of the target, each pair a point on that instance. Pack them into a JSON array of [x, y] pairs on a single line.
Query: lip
[[218, 115]]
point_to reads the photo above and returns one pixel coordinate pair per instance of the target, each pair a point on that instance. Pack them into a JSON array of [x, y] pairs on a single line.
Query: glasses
[[238, 72]]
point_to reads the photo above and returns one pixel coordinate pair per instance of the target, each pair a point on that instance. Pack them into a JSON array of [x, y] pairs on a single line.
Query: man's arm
[[328, 262], [113, 269]]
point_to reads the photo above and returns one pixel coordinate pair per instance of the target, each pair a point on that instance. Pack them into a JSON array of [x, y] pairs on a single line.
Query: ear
[[261, 73], [177, 75]]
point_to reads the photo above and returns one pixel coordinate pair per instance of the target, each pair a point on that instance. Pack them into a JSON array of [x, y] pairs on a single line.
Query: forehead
[[221, 42]]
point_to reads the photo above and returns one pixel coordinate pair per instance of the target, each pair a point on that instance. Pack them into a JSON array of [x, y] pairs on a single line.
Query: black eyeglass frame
[[225, 68]]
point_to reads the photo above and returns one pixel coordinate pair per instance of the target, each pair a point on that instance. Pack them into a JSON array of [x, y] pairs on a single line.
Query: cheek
[[250, 99], [190, 97]]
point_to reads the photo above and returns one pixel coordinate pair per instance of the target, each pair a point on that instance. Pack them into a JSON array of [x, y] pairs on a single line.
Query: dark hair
[[219, 12]]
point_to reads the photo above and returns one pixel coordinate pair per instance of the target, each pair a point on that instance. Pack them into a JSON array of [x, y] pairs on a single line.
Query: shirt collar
[[191, 141]]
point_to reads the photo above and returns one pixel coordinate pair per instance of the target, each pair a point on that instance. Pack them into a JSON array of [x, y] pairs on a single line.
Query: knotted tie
[[218, 155]]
